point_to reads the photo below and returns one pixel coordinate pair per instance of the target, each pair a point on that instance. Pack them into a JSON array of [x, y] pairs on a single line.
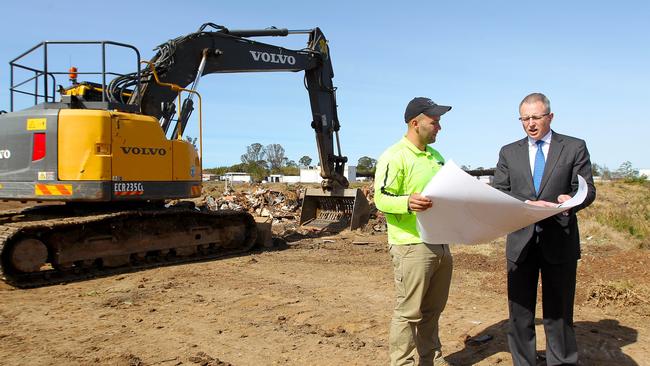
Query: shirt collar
[[546, 139], [411, 146]]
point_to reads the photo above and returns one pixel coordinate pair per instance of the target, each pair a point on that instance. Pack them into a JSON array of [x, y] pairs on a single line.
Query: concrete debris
[[281, 207], [259, 201], [379, 223]]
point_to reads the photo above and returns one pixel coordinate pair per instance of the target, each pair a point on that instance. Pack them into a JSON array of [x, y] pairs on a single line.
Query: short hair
[[537, 97], [420, 117]]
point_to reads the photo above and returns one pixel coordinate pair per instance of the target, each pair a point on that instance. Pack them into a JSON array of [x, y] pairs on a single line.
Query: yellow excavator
[[112, 151]]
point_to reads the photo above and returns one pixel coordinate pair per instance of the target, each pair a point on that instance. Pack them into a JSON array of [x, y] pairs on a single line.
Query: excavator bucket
[[336, 210]]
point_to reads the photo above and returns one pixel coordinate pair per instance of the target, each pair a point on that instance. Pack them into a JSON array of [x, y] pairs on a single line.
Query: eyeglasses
[[534, 118]]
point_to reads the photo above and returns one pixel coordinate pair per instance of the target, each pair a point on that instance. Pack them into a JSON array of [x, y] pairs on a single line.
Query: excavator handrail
[[45, 71]]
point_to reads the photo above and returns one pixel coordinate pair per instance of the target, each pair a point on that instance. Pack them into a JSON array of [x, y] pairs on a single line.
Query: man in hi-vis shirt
[[422, 270]]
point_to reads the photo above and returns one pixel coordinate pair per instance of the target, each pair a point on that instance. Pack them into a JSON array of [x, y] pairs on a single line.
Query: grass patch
[[623, 207]]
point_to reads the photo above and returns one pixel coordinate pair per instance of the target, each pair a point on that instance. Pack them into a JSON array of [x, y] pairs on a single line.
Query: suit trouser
[[558, 292], [422, 279]]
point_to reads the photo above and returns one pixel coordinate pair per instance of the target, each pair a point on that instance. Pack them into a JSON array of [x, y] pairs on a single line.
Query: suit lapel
[[523, 161], [554, 151]]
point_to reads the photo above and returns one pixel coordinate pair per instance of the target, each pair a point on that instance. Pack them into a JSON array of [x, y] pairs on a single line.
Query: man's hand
[[561, 199], [418, 202]]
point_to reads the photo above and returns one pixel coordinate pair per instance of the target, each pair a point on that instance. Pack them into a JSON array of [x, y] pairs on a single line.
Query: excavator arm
[[182, 61]]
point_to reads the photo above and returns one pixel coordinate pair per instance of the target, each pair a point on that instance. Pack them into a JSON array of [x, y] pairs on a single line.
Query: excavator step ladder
[[337, 210]]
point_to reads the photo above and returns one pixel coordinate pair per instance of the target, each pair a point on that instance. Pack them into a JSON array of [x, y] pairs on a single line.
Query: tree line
[[261, 161], [625, 172]]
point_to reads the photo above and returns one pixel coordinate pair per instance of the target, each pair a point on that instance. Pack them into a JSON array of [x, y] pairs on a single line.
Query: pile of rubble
[[261, 202], [279, 206]]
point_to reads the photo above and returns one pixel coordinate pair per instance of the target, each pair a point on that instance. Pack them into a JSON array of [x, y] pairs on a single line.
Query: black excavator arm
[[182, 61]]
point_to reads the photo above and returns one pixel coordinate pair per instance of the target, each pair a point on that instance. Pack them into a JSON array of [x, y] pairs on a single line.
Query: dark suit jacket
[[567, 157]]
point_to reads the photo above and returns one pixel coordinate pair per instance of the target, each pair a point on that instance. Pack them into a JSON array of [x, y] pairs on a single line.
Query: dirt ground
[[323, 300]]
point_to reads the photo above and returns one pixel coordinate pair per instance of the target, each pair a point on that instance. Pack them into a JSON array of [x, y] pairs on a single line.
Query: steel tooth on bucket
[[335, 210]]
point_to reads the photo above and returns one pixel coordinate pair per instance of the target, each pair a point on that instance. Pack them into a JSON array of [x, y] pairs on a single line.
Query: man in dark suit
[[542, 170]]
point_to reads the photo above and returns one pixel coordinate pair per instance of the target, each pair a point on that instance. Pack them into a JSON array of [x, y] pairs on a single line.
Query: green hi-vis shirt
[[401, 170]]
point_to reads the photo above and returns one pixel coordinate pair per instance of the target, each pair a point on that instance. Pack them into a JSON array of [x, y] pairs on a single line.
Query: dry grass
[[620, 214], [594, 233], [620, 294]]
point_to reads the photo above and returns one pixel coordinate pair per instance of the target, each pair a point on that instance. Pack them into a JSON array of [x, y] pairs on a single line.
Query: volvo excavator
[[109, 155]]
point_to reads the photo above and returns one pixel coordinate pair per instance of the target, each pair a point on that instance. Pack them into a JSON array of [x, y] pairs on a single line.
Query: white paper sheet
[[467, 211]]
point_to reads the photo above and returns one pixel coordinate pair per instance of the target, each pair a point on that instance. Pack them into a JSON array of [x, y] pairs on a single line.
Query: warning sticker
[[36, 124], [46, 176]]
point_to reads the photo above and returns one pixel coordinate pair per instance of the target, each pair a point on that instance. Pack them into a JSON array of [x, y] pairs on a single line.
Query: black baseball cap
[[424, 105]]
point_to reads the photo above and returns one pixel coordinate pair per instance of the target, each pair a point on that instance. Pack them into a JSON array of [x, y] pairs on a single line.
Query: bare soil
[[311, 300]]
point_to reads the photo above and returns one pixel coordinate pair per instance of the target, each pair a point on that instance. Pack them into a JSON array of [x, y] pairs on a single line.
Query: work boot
[[439, 360]]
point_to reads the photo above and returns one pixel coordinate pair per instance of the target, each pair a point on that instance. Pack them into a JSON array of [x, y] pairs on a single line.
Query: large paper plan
[[467, 211]]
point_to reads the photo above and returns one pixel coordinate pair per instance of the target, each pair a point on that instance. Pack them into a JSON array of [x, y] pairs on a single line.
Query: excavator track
[[53, 244]]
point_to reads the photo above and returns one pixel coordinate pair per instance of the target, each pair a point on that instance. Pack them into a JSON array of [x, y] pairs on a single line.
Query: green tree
[[366, 165], [290, 170], [290, 163], [254, 153], [274, 156], [627, 171], [239, 168], [305, 161], [221, 170], [254, 163], [257, 170]]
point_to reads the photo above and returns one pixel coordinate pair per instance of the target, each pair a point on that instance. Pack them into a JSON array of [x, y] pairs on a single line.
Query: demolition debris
[[279, 206]]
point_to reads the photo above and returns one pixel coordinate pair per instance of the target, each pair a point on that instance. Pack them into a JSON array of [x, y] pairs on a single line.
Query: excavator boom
[[231, 51]]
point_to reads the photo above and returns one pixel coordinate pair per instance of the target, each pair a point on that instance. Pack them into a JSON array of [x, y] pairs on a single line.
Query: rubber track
[[12, 230]]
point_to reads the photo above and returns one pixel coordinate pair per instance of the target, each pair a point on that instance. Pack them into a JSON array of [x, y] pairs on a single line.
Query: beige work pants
[[422, 279]]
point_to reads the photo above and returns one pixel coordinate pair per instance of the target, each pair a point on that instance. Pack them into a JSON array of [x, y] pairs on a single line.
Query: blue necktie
[[538, 171]]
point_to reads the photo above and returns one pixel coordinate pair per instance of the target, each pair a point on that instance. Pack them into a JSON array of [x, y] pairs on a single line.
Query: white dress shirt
[[532, 149]]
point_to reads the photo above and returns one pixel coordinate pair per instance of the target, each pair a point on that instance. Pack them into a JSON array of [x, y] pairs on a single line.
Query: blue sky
[[592, 59]]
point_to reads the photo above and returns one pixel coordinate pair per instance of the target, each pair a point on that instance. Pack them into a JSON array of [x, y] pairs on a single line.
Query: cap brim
[[436, 111]]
